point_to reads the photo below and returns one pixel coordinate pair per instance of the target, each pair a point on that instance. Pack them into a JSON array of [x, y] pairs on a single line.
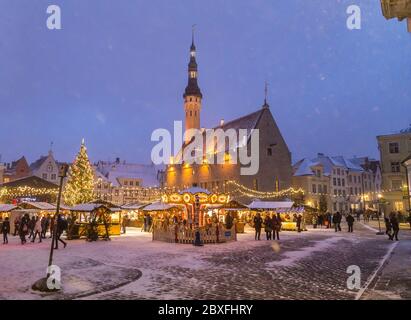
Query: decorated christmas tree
[[80, 184]]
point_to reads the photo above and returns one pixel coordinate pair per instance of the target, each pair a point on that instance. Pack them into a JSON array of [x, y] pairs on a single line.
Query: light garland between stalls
[[260, 194], [26, 191]]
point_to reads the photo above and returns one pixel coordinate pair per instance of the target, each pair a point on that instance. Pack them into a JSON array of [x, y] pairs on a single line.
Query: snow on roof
[[256, 204], [133, 206], [88, 207], [7, 207], [113, 171], [194, 190], [37, 205], [158, 206]]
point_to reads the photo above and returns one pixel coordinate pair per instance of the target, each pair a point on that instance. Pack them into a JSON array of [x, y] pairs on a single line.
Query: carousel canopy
[[194, 190], [270, 205], [37, 205], [7, 207], [158, 206]]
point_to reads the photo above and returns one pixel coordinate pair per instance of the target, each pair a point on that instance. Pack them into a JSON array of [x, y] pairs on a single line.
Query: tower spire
[[265, 105]]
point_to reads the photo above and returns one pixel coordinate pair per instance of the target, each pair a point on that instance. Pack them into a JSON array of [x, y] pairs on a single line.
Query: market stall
[[5, 212], [285, 209], [105, 217], [134, 213]]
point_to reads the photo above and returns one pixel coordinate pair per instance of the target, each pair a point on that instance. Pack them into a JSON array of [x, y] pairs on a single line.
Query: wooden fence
[[173, 234]]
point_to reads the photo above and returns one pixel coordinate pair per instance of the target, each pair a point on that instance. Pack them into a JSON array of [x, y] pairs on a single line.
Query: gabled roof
[[37, 205], [38, 163], [7, 207], [32, 182]]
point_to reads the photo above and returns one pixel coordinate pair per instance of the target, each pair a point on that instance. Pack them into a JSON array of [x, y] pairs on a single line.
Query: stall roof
[[88, 207], [37, 205], [7, 207], [270, 204], [133, 206], [158, 206], [194, 190]]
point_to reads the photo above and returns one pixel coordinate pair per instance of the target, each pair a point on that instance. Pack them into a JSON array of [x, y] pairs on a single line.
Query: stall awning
[[270, 205], [37, 205], [89, 207], [133, 206], [158, 206], [7, 207]]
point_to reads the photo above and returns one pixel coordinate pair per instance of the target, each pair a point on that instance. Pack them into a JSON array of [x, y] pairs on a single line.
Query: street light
[[379, 233], [42, 285]]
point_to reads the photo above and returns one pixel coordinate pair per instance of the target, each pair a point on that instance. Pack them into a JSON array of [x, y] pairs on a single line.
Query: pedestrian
[[329, 220], [31, 225], [350, 221], [388, 227], [358, 215], [268, 226], [124, 223], [337, 221], [5, 229], [23, 228], [395, 226], [276, 220], [52, 225], [299, 219], [257, 226], [37, 229], [61, 226], [320, 220], [16, 226]]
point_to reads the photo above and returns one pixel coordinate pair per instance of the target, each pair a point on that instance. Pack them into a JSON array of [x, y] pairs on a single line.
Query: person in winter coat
[[299, 220], [52, 226], [276, 221], [268, 228], [350, 221], [61, 226], [43, 227], [395, 226], [37, 229], [388, 227], [16, 226], [337, 221], [329, 220], [257, 225], [124, 224], [31, 225], [24, 228], [5, 229]]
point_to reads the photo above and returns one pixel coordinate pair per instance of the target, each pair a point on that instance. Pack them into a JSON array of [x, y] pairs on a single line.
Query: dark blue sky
[[117, 71]]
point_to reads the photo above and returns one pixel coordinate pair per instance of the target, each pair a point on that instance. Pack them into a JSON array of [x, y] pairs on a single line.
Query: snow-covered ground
[[135, 267]]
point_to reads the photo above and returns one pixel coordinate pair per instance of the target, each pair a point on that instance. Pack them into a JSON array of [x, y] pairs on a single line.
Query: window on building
[[351, 190], [395, 167], [53, 176], [339, 182], [396, 184], [131, 183], [394, 147], [314, 188], [338, 171], [398, 206], [335, 192], [355, 191], [319, 173], [269, 152], [45, 176], [355, 179], [350, 179], [320, 188], [125, 182], [343, 182], [325, 189], [334, 181]]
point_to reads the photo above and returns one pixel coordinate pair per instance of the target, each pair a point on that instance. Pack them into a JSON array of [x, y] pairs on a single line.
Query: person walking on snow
[[299, 220], [337, 221], [257, 225], [395, 226], [268, 228], [61, 226], [276, 226], [350, 221], [5, 229], [37, 230]]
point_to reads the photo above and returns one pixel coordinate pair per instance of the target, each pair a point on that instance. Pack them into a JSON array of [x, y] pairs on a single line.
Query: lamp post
[[379, 233], [42, 284]]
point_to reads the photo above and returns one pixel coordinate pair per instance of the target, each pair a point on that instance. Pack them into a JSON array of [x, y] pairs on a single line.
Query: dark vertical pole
[[62, 175]]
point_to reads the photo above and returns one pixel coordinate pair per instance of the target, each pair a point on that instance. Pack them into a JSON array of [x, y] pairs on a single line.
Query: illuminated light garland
[[26, 191], [255, 193]]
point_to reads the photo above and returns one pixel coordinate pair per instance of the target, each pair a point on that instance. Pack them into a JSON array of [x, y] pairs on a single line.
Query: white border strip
[[371, 278]]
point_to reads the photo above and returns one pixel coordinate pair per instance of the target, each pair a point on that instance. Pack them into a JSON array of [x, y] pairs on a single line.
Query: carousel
[[192, 212]]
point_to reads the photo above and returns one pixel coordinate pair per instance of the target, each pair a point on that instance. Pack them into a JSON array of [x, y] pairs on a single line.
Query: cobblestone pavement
[[310, 265]]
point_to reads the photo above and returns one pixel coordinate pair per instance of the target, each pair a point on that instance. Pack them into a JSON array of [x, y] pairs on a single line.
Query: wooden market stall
[[5, 212], [104, 215], [285, 209], [134, 213]]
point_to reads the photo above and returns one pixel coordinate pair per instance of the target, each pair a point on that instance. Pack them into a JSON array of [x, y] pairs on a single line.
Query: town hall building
[[274, 159]]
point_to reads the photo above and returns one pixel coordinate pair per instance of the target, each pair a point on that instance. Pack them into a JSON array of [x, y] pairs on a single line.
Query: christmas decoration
[[80, 183]]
